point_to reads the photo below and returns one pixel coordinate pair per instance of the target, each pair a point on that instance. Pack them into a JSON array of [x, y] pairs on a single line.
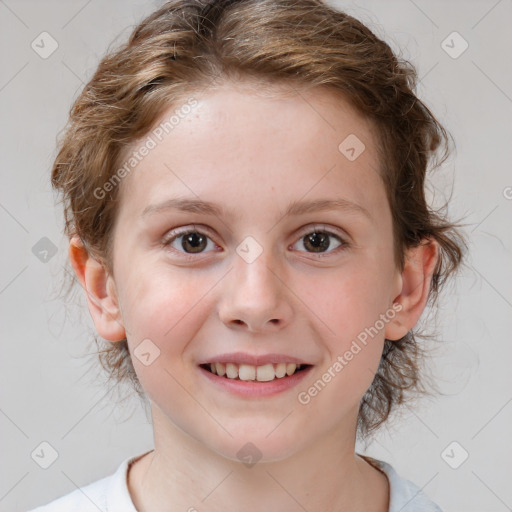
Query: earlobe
[[416, 277], [100, 291]]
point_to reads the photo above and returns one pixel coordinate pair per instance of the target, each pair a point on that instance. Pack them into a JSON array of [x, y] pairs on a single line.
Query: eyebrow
[[295, 207]]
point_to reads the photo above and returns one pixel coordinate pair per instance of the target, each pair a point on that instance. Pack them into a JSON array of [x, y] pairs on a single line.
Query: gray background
[[51, 393]]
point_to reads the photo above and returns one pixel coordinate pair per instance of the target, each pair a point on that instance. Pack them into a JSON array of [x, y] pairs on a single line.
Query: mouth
[[246, 372]]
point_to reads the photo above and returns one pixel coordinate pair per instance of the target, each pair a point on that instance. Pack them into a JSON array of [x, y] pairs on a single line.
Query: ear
[[100, 291], [416, 277]]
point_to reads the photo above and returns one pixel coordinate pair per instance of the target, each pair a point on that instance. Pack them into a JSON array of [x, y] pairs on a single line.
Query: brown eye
[[321, 242], [317, 242], [194, 242], [189, 242]]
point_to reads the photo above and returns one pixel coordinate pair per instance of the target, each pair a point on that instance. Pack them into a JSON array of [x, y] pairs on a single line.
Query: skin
[[254, 154]]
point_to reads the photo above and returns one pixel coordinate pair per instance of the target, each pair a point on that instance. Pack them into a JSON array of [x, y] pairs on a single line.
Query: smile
[[247, 372]]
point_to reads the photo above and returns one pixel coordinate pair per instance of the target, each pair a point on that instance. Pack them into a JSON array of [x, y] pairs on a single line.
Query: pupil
[[196, 242], [317, 241]]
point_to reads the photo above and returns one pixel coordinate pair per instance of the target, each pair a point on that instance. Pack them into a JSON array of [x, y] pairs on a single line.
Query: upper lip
[[254, 360]]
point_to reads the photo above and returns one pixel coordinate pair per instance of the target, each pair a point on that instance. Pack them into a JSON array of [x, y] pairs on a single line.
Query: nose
[[255, 297]]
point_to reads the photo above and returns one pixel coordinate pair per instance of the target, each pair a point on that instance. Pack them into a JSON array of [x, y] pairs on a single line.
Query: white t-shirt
[[111, 494]]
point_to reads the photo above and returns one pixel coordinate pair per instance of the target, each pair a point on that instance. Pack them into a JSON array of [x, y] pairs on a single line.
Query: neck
[[182, 474]]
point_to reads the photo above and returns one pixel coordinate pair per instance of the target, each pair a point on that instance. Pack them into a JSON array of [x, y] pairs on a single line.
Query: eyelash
[[176, 234]]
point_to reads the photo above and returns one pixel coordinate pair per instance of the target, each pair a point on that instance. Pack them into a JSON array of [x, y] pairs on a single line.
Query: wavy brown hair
[[188, 46]]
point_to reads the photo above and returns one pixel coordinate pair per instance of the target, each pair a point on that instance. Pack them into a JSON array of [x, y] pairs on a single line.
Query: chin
[[251, 447]]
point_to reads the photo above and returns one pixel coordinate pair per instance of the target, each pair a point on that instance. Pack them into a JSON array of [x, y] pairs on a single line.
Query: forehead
[[240, 141]]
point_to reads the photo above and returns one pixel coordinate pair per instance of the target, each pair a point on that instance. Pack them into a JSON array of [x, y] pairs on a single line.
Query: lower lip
[[252, 388]]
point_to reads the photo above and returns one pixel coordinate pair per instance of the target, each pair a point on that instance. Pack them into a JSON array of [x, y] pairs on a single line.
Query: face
[[261, 274]]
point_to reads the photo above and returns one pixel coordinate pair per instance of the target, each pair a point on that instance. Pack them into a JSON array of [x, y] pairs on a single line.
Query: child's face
[[253, 157]]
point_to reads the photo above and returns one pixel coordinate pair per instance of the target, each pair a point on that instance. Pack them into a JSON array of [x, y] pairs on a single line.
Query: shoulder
[[89, 498], [404, 495], [110, 494]]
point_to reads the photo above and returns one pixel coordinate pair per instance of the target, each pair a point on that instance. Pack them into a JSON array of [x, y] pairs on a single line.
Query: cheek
[[162, 312], [350, 299], [350, 304], [155, 302]]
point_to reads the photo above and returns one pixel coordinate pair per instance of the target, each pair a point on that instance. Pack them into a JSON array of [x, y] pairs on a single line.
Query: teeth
[[290, 368], [280, 370], [246, 372], [231, 371], [263, 373]]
